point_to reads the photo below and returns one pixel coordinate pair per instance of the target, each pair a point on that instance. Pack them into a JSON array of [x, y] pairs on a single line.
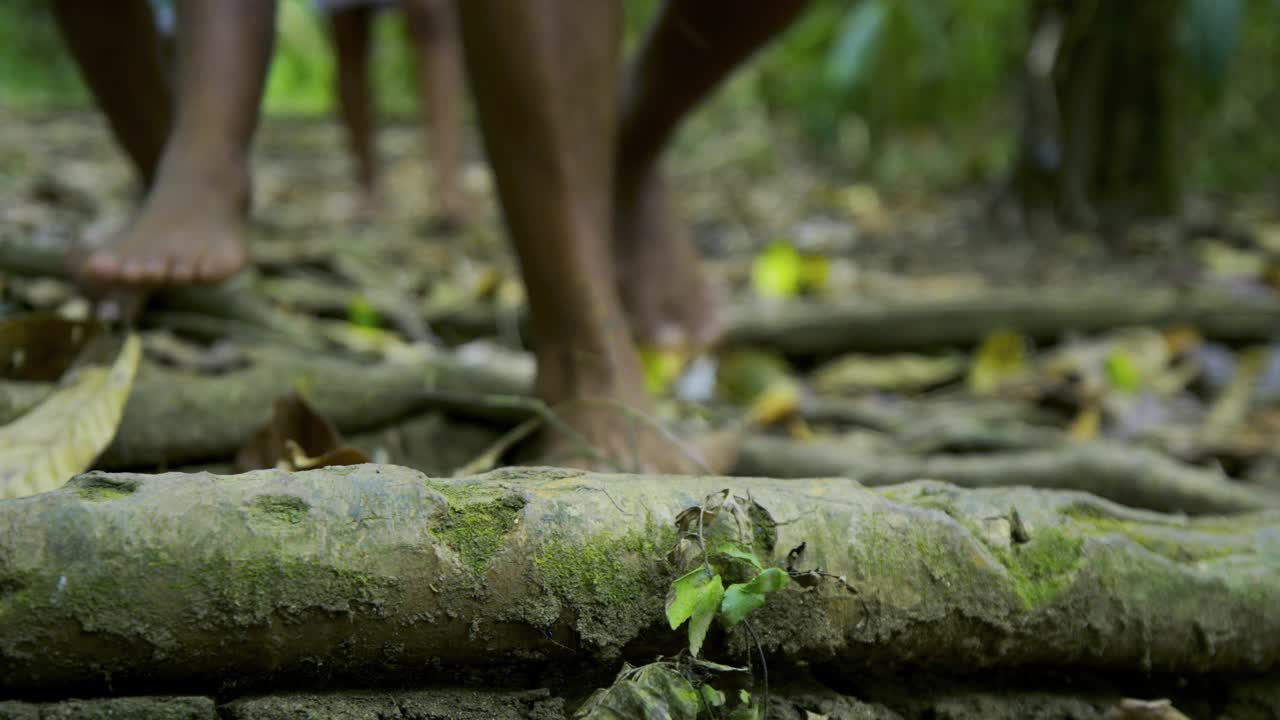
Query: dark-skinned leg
[[690, 49], [124, 70], [546, 89], [350, 29], [433, 35], [191, 227]]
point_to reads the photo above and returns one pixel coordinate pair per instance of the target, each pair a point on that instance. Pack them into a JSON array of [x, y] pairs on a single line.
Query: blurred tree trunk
[[1098, 135]]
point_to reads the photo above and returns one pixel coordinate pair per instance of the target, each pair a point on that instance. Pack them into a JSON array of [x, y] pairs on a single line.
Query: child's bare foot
[[190, 230], [664, 292]]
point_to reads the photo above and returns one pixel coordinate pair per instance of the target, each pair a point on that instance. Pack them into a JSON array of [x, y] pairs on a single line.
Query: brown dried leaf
[[41, 347], [297, 438]]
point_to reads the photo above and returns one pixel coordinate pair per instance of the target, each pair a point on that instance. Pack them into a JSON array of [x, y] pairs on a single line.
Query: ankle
[[579, 370]]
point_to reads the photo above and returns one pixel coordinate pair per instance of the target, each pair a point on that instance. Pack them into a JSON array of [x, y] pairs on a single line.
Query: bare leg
[[191, 227], [123, 69], [692, 47], [350, 28], [433, 34], [546, 90]]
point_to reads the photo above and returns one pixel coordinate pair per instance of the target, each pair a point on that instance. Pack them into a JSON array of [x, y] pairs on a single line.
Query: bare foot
[[452, 213], [190, 230], [605, 417], [664, 292], [369, 206]]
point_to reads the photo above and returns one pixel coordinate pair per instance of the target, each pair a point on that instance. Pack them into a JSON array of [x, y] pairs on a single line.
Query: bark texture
[[365, 572]]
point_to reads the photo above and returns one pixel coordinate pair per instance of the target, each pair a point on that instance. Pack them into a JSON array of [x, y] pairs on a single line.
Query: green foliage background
[[902, 91]]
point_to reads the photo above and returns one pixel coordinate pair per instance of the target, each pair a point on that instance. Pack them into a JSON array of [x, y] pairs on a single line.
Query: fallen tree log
[[804, 328], [879, 326], [143, 582], [246, 311], [175, 417], [811, 328], [1134, 476]]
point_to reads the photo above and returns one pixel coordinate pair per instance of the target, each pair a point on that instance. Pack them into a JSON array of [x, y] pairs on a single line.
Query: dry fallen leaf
[[296, 438], [1000, 360], [296, 459], [41, 346], [61, 437], [779, 401]]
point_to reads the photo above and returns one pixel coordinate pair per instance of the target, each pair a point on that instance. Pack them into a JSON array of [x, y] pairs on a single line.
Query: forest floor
[[875, 334], [779, 233]]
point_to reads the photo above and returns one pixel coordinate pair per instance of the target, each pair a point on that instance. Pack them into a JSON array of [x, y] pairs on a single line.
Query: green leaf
[[744, 697], [361, 312], [682, 600], [736, 552], [695, 597], [650, 692], [1122, 373], [714, 697], [738, 603], [857, 45], [662, 367], [741, 598], [777, 272], [708, 604]]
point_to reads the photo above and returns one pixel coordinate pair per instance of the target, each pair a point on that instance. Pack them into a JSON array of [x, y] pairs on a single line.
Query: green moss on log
[[615, 580], [103, 489], [477, 522], [1044, 566]]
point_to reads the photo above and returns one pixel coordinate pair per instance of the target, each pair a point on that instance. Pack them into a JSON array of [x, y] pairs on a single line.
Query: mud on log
[[194, 580]]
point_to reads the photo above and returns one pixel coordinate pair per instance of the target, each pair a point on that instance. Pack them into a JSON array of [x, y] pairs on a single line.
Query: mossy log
[[349, 574], [1134, 476]]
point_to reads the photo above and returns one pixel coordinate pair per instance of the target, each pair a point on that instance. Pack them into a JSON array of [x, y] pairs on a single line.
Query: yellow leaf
[[776, 272], [61, 437], [779, 401], [1087, 423], [815, 272], [798, 429], [1223, 260], [662, 367], [1002, 357], [359, 338], [862, 201]]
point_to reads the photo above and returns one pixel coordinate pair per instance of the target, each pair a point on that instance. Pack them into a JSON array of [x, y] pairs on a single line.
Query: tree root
[[1137, 477]]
